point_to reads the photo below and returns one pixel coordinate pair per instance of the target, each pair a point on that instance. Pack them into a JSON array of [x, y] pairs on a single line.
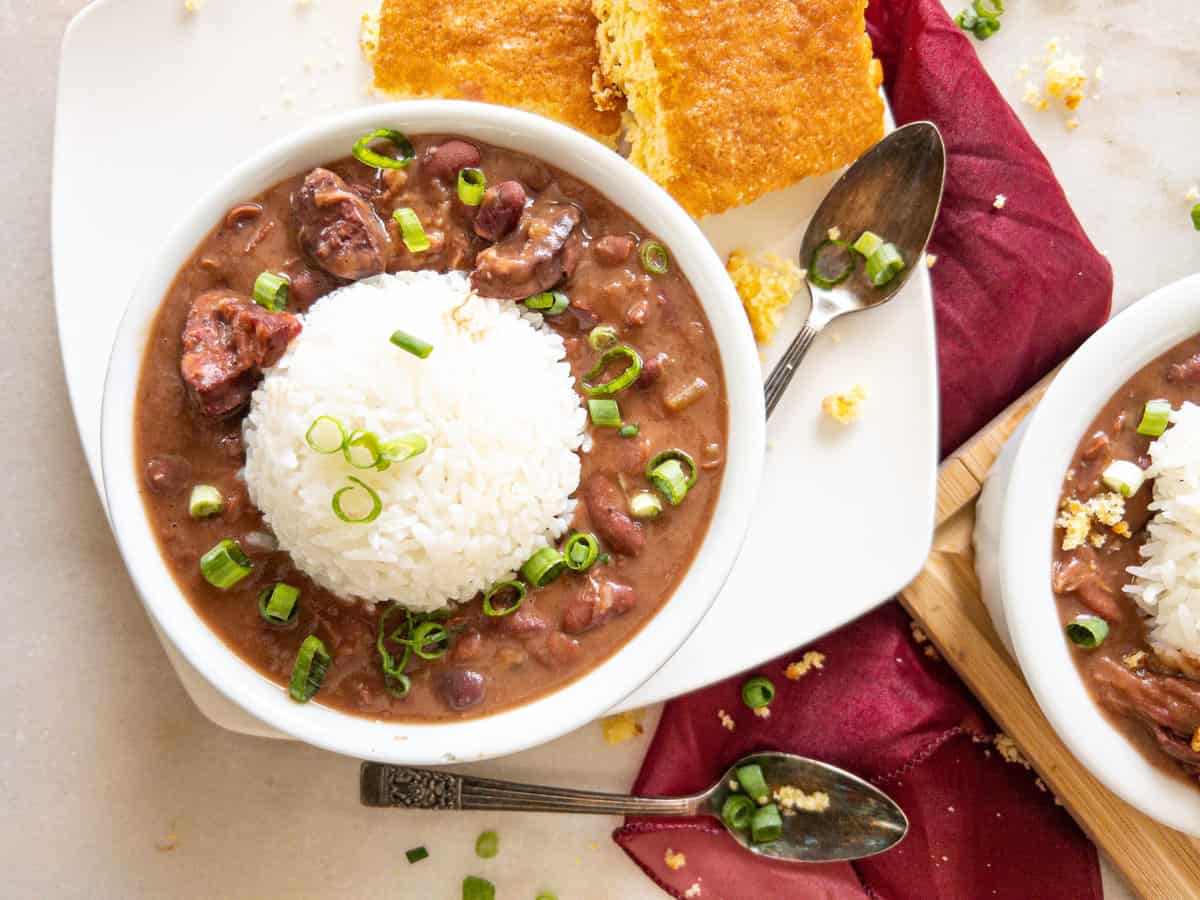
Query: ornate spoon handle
[[385, 785]]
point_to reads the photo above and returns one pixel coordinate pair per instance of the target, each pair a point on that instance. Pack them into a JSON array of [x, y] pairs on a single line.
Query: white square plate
[[155, 104]]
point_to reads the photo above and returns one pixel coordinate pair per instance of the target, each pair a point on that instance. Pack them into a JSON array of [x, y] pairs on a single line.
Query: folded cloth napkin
[[1016, 290]]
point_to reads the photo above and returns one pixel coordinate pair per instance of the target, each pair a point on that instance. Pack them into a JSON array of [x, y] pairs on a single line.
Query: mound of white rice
[[496, 401], [1167, 584]]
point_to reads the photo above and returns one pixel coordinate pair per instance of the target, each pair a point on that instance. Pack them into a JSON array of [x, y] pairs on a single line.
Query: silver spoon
[[894, 190], [860, 820]]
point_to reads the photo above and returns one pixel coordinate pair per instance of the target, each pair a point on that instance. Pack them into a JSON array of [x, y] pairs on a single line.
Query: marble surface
[[113, 785]]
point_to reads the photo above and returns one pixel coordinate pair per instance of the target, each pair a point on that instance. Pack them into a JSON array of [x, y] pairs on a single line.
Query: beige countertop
[[113, 785]]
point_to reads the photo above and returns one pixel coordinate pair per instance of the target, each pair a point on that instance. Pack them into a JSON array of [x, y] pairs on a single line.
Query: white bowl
[[602, 687], [1086, 382]]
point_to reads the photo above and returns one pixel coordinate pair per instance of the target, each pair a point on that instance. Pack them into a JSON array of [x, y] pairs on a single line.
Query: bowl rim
[[1134, 337], [598, 689]]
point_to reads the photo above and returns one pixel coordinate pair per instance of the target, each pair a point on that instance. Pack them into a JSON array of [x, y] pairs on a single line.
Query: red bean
[[446, 160], [500, 210], [166, 475], [606, 505]]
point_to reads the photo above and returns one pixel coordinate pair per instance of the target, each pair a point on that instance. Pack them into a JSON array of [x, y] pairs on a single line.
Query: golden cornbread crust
[[730, 100], [536, 54]]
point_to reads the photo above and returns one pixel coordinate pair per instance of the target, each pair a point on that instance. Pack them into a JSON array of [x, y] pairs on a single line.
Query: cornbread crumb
[[622, 727], [1065, 80], [763, 712], [1196, 741], [675, 861], [192, 6], [1076, 518], [792, 798], [845, 407], [694, 890], [1193, 194], [930, 260], [835, 233], [810, 660], [1098, 539], [766, 287], [1000, 201], [1122, 528], [368, 35], [1010, 752], [726, 720], [1134, 660], [1072, 123]]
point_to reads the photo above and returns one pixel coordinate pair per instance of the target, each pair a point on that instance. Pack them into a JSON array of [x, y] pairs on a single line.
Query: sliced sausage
[[1079, 574], [446, 160], [337, 228], [606, 506], [536, 256], [1167, 705], [1188, 370], [500, 210], [596, 603], [612, 249]]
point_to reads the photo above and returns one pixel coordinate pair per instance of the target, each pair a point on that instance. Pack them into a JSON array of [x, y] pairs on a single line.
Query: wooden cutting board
[[1158, 862]]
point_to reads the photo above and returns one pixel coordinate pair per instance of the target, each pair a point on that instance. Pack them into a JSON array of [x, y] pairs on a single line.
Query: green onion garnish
[[362, 449], [758, 692], [490, 608], [367, 156], [883, 264], [674, 473], [370, 516], [277, 603], [543, 567], [549, 303], [225, 565], [271, 291], [736, 811], [766, 825], [487, 845], [630, 430], [1196, 216], [411, 230], [1087, 632], [818, 277], [416, 854], [402, 448], [205, 501], [546, 895], [1124, 477], [751, 779], [412, 344], [602, 337], [620, 382], [868, 242], [478, 889], [580, 551], [394, 680], [654, 257], [1155, 417], [430, 640], [311, 664], [991, 8], [604, 413], [645, 505], [982, 19], [471, 185], [325, 435]]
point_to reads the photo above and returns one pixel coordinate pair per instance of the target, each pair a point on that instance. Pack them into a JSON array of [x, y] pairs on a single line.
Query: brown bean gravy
[[1155, 704], [536, 229]]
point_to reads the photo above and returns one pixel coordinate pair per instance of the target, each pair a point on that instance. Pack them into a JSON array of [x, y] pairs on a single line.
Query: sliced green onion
[[271, 291], [471, 185], [766, 825], [580, 551], [758, 692], [602, 337], [645, 505], [490, 609], [412, 344], [325, 435], [402, 448], [277, 603], [1196, 216], [1087, 632], [225, 565], [205, 501], [620, 382], [654, 257], [737, 811], [549, 303], [546, 895], [630, 430], [1155, 417], [604, 413], [397, 685], [1124, 477], [411, 230], [989, 8], [370, 516], [673, 473], [416, 854], [368, 443], [883, 264], [543, 567], [430, 634], [868, 242], [487, 845], [478, 889], [818, 277], [309, 672], [395, 682], [367, 156], [683, 457], [751, 779]]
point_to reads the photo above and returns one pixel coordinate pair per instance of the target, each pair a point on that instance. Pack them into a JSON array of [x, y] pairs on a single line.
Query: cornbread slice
[[729, 100], [536, 54], [766, 287]]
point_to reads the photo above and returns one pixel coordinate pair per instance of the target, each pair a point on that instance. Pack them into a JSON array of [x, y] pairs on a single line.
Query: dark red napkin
[[1015, 290]]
